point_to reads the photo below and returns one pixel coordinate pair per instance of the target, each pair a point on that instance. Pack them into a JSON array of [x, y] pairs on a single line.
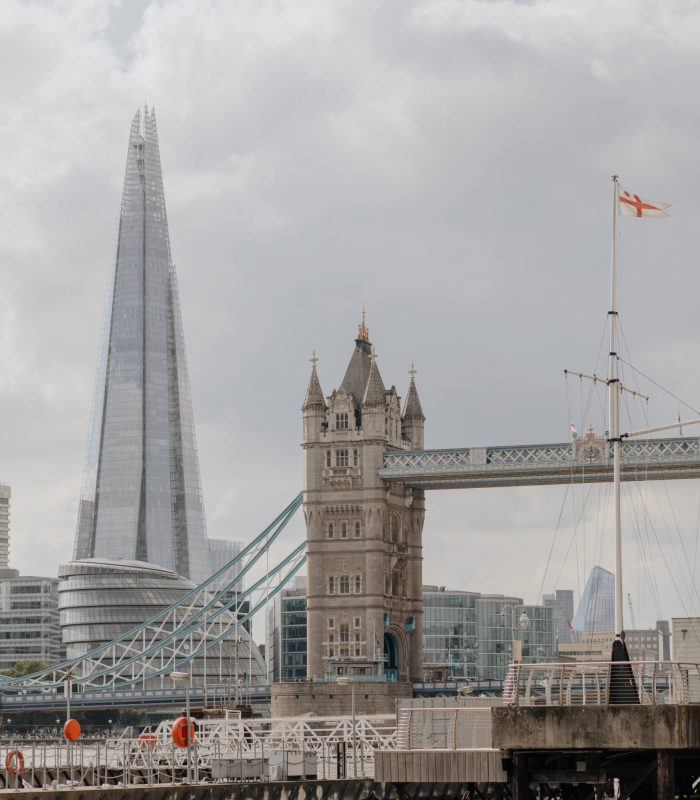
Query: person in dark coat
[[622, 687]]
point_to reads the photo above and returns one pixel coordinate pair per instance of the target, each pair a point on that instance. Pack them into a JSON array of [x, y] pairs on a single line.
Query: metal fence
[[602, 683], [229, 748]]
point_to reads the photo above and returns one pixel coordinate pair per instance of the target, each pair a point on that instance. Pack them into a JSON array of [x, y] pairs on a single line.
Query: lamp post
[[524, 624], [345, 680], [184, 677]]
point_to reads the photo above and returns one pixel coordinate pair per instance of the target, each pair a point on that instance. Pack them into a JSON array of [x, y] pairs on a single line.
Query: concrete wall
[[333, 699], [666, 727]]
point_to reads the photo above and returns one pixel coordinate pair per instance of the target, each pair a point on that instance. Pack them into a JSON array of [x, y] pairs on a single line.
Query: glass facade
[[286, 642], [450, 631], [99, 599], [141, 496], [596, 609]]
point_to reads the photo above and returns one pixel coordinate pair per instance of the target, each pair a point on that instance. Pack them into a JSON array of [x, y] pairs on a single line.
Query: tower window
[[357, 622], [344, 633], [355, 457], [343, 530], [330, 530], [358, 530], [328, 458], [341, 458], [331, 584], [358, 584], [331, 622], [345, 584], [341, 422]]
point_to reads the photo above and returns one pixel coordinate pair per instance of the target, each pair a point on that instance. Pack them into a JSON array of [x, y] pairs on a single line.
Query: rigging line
[[659, 386], [573, 535], [665, 560], [645, 548], [680, 539], [554, 539]]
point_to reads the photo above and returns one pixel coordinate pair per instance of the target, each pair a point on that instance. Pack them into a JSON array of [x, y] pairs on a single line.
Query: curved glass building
[[99, 599]]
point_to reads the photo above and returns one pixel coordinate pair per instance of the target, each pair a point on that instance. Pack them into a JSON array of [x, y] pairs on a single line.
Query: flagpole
[[614, 412]]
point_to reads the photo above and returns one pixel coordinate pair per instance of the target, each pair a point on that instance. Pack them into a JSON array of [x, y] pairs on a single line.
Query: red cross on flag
[[631, 205]]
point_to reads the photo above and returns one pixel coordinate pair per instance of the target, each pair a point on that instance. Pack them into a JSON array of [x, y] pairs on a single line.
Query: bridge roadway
[[586, 459], [40, 700]]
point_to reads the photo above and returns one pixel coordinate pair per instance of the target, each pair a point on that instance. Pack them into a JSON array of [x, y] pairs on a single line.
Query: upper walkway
[[586, 459]]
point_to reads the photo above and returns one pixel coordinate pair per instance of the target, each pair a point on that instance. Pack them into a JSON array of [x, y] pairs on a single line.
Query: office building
[[141, 497], [450, 632], [562, 601], [685, 637], [5, 493], [596, 609], [100, 599], [642, 644], [285, 643], [508, 628], [29, 622]]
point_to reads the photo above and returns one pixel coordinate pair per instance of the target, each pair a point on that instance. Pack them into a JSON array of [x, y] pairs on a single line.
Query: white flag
[[631, 205]]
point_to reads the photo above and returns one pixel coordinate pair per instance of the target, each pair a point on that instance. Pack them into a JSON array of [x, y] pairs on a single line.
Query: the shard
[[141, 497]]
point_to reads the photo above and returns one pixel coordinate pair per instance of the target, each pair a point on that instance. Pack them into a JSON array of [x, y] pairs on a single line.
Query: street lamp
[[184, 677], [344, 680], [523, 623]]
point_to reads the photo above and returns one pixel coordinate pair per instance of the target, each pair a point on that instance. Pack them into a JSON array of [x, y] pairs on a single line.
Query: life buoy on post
[[179, 731], [148, 740], [71, 730], [14, 762]]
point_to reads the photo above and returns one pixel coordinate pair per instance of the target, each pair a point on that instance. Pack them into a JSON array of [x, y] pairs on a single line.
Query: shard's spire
[[314, 395], [141, 496], [412, 408], [374, 394]]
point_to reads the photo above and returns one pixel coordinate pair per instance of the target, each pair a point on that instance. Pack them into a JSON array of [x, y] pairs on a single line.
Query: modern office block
[[450, 633], [29, 622], [286, 642]]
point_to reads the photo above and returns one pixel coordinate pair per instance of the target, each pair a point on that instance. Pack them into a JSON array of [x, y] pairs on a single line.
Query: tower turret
[[412, 418]]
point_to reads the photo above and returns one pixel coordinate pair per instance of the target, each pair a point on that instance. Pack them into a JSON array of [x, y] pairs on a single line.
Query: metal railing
[[602, 683], [227, 748]]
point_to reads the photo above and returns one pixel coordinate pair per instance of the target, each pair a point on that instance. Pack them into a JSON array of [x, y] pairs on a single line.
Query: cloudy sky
[[445, 164]]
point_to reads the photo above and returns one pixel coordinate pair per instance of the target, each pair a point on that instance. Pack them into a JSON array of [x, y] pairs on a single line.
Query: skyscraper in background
[[141, 496], [596, 609], [562, 601], [5, 493]]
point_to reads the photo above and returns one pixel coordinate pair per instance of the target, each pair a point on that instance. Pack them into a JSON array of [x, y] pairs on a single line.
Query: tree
[[22, 668]]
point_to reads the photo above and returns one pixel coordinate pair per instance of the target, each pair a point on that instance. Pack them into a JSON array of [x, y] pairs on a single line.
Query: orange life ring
[[71, 730], [148, 739], [179, 731], [14, 762]]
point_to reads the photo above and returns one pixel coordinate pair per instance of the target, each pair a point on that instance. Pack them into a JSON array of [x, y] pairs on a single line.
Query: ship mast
[[614, 412]]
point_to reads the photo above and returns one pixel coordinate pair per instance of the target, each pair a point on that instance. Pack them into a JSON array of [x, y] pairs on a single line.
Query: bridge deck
[[586, 459]]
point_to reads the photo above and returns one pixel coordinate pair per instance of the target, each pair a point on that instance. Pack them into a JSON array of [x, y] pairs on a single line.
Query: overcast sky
[[445, 164]]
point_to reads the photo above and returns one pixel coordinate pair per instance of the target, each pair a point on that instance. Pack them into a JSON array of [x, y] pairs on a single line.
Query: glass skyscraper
[[596, 609], [141, 496]]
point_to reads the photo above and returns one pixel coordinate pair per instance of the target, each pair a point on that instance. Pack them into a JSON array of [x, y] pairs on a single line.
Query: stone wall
[[328, 699]]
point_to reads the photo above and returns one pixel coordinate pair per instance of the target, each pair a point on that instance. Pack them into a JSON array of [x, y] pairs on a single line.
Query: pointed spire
[[412, 407], [314, 395], [374, 391], [362, 330]]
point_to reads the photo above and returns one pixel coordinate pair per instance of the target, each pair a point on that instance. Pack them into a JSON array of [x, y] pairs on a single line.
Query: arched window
[[343, 530], [330, 530], [358, 530]]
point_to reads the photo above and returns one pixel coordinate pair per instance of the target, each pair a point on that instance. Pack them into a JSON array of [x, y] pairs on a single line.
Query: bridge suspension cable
[[199, 620]]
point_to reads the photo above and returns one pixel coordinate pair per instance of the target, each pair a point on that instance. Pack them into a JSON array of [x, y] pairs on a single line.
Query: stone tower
[[364, 535]]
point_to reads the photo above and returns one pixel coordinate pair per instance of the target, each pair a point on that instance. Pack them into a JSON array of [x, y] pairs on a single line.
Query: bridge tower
[[364, 535]]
